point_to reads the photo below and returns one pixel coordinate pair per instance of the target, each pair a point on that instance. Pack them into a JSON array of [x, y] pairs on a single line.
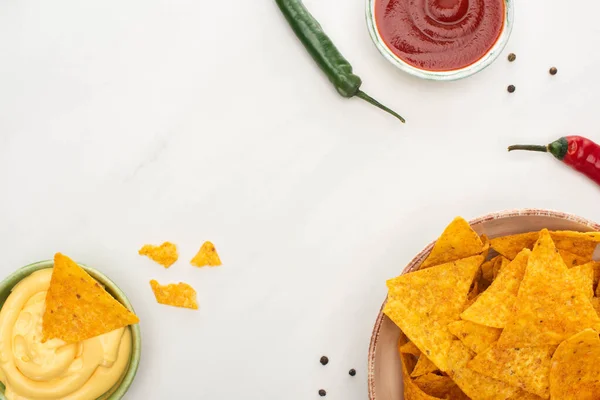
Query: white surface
[[124, 123]]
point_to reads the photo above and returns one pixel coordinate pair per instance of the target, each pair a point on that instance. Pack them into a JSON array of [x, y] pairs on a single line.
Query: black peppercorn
[[322, 393], [352, 372], [324, 360], [512, 57], [511, 88]]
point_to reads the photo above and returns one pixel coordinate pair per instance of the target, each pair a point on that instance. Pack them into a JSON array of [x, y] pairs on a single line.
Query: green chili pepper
[[325, 54]]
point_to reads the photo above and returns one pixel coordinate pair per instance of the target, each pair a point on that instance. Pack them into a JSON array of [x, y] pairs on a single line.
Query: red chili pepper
[[577, 152]]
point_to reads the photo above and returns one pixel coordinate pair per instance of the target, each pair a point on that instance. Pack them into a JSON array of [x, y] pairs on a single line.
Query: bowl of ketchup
[[440, 39]]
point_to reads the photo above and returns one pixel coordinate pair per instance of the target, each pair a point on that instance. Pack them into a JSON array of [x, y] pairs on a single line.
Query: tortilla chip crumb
[[206, 256], [175, 294], [165, 254]]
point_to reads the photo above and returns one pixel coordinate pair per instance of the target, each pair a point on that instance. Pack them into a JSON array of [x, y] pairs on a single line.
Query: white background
[[132, 122]]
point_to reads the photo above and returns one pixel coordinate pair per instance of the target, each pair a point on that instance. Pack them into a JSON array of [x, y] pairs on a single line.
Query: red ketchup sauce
[[439, 35]]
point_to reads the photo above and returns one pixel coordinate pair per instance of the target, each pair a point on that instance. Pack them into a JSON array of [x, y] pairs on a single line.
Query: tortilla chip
[[550, 307], [486, 245], [495, 306], [470, 300], [411, 390], [175, 294], [424, 366], [78, 307], [457, 241], [440, 386], [207, 255], [575, 372], [474, 384], [474, 292], [523, 395], [476, 337], [510, 246], [424, 302], [596, 268], [500, 263], [596, 304], [409, 348], [165, 254], [526, 367], [572, 260], [583, 277], [487, 269], [580, 243]]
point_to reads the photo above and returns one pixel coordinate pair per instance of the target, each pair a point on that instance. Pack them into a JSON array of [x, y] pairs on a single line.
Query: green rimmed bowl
[[118, 391]]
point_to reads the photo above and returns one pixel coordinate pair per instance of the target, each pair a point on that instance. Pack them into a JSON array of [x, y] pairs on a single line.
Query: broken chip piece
[[165, 254], [175, 294], [206, 256], [78, 307]]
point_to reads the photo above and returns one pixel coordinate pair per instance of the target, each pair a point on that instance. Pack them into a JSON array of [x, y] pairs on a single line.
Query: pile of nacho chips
[[514, 317]]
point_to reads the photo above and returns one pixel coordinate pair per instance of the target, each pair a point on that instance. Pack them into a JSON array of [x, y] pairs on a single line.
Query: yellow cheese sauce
[[32, 370]]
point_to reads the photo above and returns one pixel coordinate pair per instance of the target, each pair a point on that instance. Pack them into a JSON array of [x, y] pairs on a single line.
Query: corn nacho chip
[[500, 263], [486, 245], [175, 294], [424, 302], [575, 371], [409, 348], [165, 254], [580, 243], [487, 269], [523, 395], [596, 304], [549, 306], [458, 241], [476, 337], [424, 366], [526, 367], [583, 277], [572, 260], [411, 390], [206, 256], [474, 292], [510, 246], [495, 306], [596, 268], [474, 384], [440, 386], [78, 307], [471, 300]]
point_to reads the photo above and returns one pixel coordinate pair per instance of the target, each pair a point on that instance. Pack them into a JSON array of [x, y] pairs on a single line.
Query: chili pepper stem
[[377, 104], [528, 147]]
